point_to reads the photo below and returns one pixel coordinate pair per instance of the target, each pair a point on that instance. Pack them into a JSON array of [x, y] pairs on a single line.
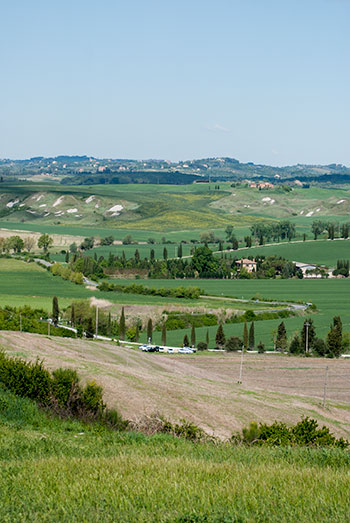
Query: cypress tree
[[281, 340], [179, 251], [193, 335], [89, 329], [164, 334], [186, 342], [251, 337], [122, 325], [67, 257], [109, 323], [165, 253], [245, 336], [55, 310], [220, 337], [149, 330], [335, 338], [152, 255], [72, 315], [137, 332]]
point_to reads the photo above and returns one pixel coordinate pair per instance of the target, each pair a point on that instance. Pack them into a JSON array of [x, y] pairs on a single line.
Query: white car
[[142, 347], [186, 350]]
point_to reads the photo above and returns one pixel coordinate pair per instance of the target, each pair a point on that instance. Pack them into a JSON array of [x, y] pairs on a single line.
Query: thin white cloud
[[217, 128]]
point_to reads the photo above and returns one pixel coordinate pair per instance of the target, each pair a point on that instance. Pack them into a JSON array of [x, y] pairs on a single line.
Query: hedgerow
[[190, 293]]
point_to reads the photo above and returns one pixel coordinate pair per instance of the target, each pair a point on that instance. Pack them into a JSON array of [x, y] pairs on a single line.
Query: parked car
[[185, 350], [142, 347]]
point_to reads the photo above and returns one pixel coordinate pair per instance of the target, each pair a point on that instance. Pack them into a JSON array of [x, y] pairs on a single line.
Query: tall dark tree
[[149, 330], [55, 310], [152, 255], [165, 253], [295, 345], [67, 257], [186, 342], [137, 332], [220, 337], [122, 325], [109, 324], [72, 315], [179, 251], [137, 256], [193, 335], [335, 338], [281, 340], [164, 334], [89, 332], [251, 336], [245, 336]]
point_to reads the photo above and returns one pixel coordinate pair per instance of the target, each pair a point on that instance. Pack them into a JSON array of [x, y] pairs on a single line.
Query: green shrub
[[92, 398], [26, 379], [65, 384], [233, 344], [202, 345], [305, 433]]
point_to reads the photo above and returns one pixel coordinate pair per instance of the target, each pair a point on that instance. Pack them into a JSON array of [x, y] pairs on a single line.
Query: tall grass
[[54, 470]]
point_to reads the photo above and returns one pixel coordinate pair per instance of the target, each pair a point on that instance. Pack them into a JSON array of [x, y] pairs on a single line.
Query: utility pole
[[241, 367], [96, 321], [325, 387], [307, 325]]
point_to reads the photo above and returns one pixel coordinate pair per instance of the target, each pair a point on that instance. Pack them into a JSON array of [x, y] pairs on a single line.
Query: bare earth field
[[201, 388]]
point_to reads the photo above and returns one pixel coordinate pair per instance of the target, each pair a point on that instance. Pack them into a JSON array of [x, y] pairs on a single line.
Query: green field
[[54, 470], [160, 209], [330, 297], [22, 283], [323, 252]]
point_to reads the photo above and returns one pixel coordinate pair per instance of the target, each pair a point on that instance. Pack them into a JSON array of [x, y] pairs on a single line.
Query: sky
[[266, 81]]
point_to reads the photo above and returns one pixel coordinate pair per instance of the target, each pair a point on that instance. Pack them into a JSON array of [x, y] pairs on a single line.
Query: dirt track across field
[[202, 388]]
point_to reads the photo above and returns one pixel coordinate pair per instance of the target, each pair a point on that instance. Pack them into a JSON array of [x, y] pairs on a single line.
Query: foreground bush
[[305, 433], [59, 391]]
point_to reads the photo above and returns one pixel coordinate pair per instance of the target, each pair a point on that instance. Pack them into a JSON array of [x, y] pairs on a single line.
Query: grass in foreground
[[54, 470]]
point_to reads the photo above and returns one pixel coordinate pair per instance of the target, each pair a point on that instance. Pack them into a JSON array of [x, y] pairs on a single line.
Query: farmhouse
[[306, 269], [249, 265]]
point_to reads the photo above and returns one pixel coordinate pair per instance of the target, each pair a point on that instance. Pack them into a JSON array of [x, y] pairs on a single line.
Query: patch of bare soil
[[59, 240], [202, 388], [102, 304]]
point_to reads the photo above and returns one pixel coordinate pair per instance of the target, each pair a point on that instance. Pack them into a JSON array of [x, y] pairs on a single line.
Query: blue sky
[[266, 81]]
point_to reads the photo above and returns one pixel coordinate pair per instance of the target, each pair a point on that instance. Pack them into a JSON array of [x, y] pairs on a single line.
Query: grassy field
[[324, 252], [54, 470], [162, 208], [22, 283]]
